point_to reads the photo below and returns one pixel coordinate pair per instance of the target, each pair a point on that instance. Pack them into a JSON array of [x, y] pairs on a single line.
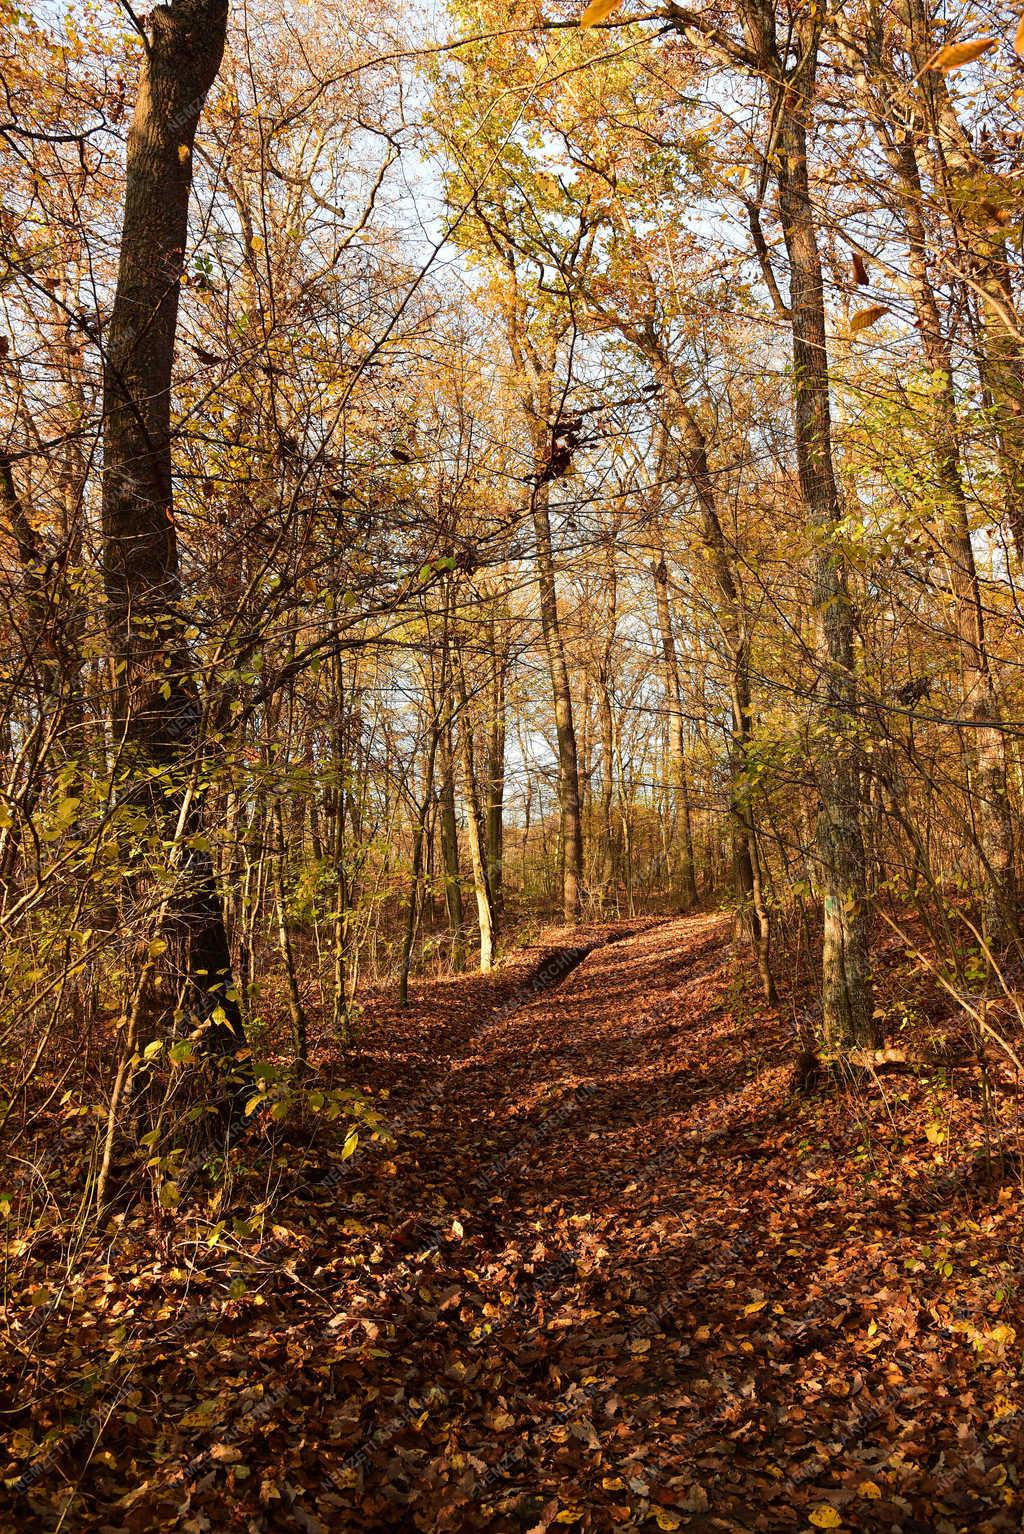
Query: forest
[[511, 766]]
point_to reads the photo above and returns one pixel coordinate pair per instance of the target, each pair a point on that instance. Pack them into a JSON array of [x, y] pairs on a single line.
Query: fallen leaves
[[708, 1308]]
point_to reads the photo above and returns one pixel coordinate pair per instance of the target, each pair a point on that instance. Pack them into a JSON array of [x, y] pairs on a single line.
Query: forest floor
[[611, 1272]]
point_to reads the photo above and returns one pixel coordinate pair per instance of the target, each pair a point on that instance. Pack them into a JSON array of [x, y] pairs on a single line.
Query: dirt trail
[[612, 1274]]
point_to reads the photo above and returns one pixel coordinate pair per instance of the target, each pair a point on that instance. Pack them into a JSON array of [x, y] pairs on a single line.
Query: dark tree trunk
[[159, 713]]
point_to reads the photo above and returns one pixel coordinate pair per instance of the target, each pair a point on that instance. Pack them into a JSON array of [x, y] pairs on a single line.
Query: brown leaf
[[860, 271], [865, 317]]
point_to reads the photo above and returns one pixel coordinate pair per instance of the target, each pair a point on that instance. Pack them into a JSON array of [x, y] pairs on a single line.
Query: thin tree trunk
[[296, 1011], [565, 729], [687, 881], [496, 767], [536, 371], [419, 837], [609, 845], [450, 849], [474, 829]]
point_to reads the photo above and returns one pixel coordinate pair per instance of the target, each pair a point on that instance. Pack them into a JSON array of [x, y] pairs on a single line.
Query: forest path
[[613, 1273]]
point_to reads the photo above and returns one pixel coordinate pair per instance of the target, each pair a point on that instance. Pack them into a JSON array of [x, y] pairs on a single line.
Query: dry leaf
[[956, 55], [1018, 38], [825, 1516], [865, 317], [860, 271], [598, 11], [225, 1454]]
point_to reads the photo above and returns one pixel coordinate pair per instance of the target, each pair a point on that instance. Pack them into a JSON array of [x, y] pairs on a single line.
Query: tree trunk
[[418, 838], [846, 978], [496, 766], [609, 847], [450, 849], [565, 729], [158, 706], [687, 883], [296, 1011], [475, 830]]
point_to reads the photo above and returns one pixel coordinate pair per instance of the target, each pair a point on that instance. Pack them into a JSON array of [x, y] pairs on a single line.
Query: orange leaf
[[598, 11], [955, 55], [1018, 38]]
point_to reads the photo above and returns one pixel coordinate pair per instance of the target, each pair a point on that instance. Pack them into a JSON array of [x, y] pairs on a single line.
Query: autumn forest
[[511, 766]]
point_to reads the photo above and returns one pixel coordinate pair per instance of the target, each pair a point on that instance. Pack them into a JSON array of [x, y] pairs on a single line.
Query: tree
[[160, 711]]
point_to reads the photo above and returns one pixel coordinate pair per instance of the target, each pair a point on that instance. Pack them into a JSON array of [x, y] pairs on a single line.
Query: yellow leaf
[[751, 1310], [956, 55], [225, 1454], [1018, 38], [825, 1517], [666, 1520], [870, 1490], [569, 1515], [865, 317], [598, 11]]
